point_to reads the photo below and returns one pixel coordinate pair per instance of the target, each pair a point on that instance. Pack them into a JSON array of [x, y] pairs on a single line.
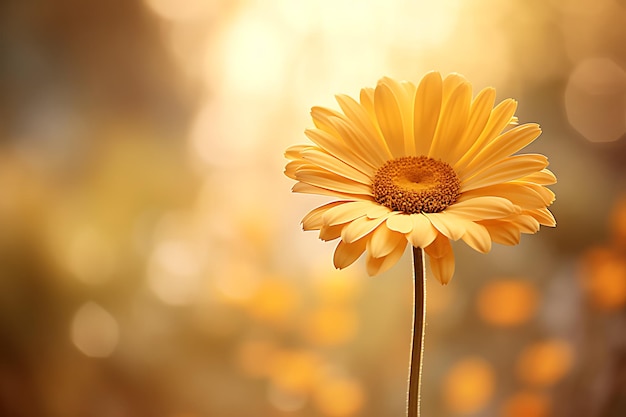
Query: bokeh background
[[151, 258]]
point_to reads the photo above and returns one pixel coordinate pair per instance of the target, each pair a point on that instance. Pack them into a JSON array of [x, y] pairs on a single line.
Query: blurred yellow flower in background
[[421, 164]]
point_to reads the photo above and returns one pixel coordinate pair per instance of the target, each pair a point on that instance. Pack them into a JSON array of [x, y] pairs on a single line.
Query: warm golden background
[[151, 258]]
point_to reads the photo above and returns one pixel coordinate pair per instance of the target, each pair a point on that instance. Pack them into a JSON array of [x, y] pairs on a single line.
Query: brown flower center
[[415, 184]]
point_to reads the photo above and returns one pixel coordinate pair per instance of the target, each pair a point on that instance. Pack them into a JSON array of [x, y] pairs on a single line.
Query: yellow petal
[[377, 266], [452, 122], [521, 194], [543, 177], [346, 212], [389, 117], [482, 208], [543, 216], [301, 187], [526, 223], [377, 211], [504, 145], [313, 220], [439, 248], [443, 268], [426, 108], [502, 232], [293, 152], [477, 237], [360, 227], [511, 168], [382, 241], [441, 258], [330, 232], [498, 120], [359, 116], [324, 179], [400, 223], [347, 253], [293, 166], [451, 82], [354, 139], [480, 110], [321, 116], [335, 146], [330, 163], [423, 232], [450, 225], [367, 101]]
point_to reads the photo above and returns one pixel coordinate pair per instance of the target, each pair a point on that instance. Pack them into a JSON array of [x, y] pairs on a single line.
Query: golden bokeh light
[[254, 357], [469, 385], [174, 272], [545, 363], [330, 325], [339, 397], [507, 302], [336, 287], [274, 301], [594, 99], [295, 371], [94, 331], [526, 404], [617, 223], [183, 10], [603, 276]]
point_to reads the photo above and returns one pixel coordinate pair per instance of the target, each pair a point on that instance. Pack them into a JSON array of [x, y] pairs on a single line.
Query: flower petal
[[502, 231], [313, 220], [426, 109], [452, 122], [377, 266], [400, 222], [443, 268], [359, 116], [439, 248], [324, 179], [389, 117], [328, 232], [347, 253], [330, 163], [423, 232], [543, 216], [521, 194], [477, 237], [360, 227], [301, 187], [293, 152], [498, 120], [543, 177], [441, 259], [346, 212], [358, 142], [449, 224], [511, 168], [483, 208], [335, 146], [504, 145], [480, 110], [383, 241]]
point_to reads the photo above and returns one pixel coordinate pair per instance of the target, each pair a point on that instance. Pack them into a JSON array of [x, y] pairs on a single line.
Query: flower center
[[415, 184]]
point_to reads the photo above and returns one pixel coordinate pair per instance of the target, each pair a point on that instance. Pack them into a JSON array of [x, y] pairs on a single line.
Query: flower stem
[[417, 343]]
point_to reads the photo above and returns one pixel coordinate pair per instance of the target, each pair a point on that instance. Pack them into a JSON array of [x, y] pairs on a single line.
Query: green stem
[[417, 343]]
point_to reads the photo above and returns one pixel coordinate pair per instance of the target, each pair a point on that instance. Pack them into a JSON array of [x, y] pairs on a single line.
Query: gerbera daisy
[[421, 165]]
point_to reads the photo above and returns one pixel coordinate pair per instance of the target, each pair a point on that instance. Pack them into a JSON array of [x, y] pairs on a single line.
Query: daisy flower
[[421, 165]]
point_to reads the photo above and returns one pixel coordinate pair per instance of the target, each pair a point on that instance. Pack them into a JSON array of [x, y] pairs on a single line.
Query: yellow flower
[[423, 165]]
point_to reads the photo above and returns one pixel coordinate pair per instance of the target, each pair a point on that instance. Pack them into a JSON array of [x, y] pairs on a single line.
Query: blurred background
[[151, 257]]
